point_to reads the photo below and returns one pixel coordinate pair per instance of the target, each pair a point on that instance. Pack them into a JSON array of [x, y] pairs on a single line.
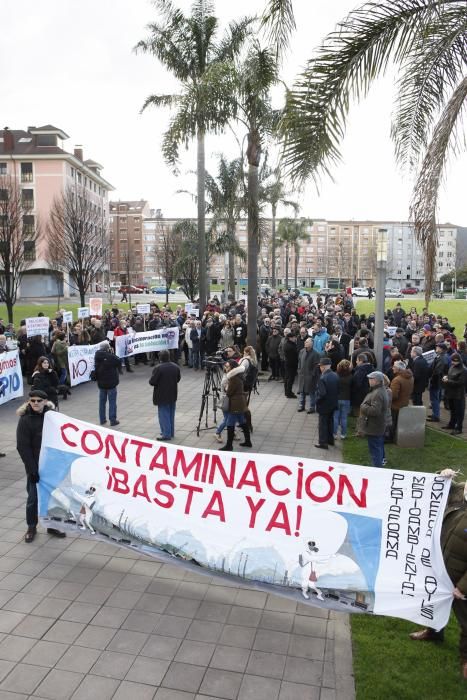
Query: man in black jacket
[[164, 379], [326, 403], [421, 374], [290, 365], [28, 444], [106, 367]]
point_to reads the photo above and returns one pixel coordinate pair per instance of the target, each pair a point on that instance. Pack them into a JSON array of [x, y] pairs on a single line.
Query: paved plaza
[[85, 619]]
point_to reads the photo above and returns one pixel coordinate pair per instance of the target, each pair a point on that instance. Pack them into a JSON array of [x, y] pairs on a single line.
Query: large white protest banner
[[11, 379], [341, 536], [147, 341], [81, 363], [37, 325]]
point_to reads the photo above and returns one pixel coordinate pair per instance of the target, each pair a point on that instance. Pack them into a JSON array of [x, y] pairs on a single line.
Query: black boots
[[228, 447], [246, 432]]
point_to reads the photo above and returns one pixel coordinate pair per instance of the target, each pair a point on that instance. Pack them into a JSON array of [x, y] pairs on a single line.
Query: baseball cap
[[379, 376]]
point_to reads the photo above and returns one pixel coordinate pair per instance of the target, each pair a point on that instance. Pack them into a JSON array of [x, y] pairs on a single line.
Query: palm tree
[[291, 232], [226, 201], [274, 193], [255, 77], [427, 40], [187, 46]]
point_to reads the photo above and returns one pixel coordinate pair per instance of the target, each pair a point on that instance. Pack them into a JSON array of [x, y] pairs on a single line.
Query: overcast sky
[[70, 63]]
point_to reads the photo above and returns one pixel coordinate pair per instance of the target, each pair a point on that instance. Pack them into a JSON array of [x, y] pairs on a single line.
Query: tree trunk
[[9, 308], [231, 287], [82, 294], [273, 247], [286, 265], [201, 177], [296, 269], [253, 230]]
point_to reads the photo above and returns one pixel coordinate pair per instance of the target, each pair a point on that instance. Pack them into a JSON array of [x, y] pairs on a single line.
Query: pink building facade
[[42, 169]]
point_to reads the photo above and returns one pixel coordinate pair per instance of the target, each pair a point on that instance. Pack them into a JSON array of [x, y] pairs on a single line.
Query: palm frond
[[160, 101], [425, 198], [234, 38], [345, 66], [431, 72], [278, 21]]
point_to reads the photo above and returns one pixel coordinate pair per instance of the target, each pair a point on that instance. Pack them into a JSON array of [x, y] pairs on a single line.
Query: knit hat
[[38, 394]]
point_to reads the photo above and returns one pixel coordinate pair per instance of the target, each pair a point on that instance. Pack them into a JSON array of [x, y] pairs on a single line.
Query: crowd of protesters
[[300, 339]]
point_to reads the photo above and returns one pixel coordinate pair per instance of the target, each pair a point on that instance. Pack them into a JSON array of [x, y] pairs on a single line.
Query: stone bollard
[[411, 427]]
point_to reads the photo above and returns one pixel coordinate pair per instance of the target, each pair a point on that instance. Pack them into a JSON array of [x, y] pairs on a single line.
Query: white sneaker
[[305, 595], [335, 436]]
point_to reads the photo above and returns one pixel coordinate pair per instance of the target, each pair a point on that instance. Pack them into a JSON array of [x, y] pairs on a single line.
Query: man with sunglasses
[[28, 444]]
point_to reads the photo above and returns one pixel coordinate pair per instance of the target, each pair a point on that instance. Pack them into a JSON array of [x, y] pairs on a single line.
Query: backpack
[[250, 377]]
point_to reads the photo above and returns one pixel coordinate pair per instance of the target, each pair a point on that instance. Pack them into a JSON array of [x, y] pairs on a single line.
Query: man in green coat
[[454, 548]]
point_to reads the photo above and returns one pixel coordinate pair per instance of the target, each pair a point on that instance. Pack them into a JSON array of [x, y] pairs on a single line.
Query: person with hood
[[454, 392], [320, 338], [402, 389], [372, 421], [454, 550], [106, 367], [28, 444], [235, 405]]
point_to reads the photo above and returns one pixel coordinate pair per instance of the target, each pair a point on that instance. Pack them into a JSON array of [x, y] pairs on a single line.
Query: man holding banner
[[28, 444]]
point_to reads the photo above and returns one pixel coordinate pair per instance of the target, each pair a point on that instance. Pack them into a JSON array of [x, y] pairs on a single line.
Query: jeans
[[31, 504], [62, 377], [340, 416], [376, 447], [111, 394], [166, 415], [195, 358], [222, 424], [435, 400], [302, 400]]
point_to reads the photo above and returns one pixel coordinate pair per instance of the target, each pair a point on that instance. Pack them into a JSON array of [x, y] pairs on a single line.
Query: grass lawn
[[454, 309], [387, 664]]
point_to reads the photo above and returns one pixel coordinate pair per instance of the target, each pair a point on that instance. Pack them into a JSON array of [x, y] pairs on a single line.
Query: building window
[[3, 169], [29, 250], [46, 139], [27, 199], [26, 172], [28, 225]]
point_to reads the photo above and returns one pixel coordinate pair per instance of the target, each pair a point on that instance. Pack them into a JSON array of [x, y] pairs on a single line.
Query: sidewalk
[[83, 619]]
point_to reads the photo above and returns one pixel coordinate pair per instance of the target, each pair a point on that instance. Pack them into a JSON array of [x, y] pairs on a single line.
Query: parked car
[[115, 285], [101, 287], [328, 292], [360, 291], [410, 290], [129, 289], [162, 290], [393, 293]]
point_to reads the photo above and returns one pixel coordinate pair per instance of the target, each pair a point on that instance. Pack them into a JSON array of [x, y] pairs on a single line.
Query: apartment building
[[127, 245], [43, 169], [334, 253]]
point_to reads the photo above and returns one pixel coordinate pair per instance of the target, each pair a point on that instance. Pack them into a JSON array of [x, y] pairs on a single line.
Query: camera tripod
[[211, 392]]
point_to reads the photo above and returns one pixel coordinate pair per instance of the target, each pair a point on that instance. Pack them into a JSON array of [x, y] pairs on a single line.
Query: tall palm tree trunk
[[253, 226], [286, 265], [273, 247], [201, 176], [296, 269], [231, 287]]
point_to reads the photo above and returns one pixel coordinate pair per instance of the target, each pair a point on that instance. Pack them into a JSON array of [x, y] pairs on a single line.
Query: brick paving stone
[[119, 624]]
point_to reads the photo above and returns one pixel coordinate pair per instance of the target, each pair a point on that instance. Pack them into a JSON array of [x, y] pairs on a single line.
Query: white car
[[360, 291], [393, 293]]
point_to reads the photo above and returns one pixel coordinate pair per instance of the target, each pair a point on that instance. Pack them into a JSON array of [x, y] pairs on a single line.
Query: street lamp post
[[381, 264]]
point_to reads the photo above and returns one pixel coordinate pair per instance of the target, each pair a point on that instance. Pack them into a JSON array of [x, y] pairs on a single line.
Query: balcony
[[26, 177]]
